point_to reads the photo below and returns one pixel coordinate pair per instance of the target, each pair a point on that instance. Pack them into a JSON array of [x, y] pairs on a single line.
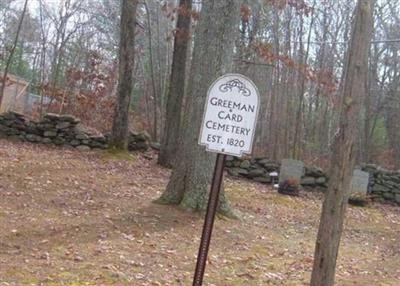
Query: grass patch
[[115, 154]]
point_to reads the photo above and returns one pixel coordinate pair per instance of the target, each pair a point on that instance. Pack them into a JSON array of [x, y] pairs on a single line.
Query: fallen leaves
[[68, 217]]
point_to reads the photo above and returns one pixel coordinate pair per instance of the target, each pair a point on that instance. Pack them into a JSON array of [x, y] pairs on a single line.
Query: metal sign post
[[209, 220], [228, 127]]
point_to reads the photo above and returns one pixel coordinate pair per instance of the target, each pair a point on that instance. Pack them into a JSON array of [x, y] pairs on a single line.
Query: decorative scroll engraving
[[235, 83]]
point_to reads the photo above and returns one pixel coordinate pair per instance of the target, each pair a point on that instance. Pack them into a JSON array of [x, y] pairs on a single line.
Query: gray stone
[[155, 146], [236, 163], [52, 116], [69, 118], [229, 158], [397, 198], [265, 179], [245, 164], [291, 170], [377, 188], [100, 139], [7, 123], [237, 171], [256, 173], [320, 181], [83, 148], [12, 115], [3, 129], [32, 129], [50, 133], [243, 172], [269, 165], [33, 138], [96, 144], [47, 141], [138, 146], [18, 125], [388, 196], [75, 143], [59, 141], [12, 132], [314, 171], [142, 136], [228, 164], [63, 125], [82, 136], [308, 181]]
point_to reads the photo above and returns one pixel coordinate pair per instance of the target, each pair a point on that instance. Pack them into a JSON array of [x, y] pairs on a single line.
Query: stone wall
[[60, 130], [384, 185], [65, 130], [258, 169]]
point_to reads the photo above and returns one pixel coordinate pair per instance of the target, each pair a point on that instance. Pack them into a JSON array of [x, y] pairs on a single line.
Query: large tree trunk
[[119, 134], [177, 85], [212, 57], [344, 153], [10, 57]]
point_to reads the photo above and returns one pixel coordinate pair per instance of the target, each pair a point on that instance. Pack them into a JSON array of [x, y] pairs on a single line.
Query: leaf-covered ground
[[73, 218]]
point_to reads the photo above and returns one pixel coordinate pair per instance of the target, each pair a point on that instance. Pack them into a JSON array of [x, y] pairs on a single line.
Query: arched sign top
[[230, 115]]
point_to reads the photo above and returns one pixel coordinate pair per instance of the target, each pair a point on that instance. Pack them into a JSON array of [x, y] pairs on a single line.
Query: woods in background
[[293, 50]]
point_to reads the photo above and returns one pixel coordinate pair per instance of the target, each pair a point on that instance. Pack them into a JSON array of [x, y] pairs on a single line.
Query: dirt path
[[71, 218]]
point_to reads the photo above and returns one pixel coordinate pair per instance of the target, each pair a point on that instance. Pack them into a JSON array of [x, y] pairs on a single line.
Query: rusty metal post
[[209, 220]]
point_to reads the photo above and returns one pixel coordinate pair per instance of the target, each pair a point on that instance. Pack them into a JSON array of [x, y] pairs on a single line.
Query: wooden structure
[[15, 93]]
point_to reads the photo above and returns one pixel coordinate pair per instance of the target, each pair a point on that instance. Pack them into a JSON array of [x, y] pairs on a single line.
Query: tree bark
[[9, 61], [177, 86], [119, 133], [344, 153], [156, 95], [212, 57]]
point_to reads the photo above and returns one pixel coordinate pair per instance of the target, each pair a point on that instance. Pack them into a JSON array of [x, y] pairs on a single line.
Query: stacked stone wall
[[384, 185], [61, 130]]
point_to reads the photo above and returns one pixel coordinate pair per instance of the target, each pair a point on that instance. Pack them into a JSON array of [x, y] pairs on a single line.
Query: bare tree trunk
[[152, 75], [119, 133], [212, 57], [273, 128], [344, 153], [300, 109], [177, 87], [10, 57]]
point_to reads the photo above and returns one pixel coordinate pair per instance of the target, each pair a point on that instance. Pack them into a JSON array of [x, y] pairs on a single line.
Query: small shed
[[15, 94]]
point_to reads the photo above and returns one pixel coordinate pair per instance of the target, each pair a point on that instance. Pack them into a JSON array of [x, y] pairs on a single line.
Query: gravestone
[[290, 176], [291, 170], [359, 182]]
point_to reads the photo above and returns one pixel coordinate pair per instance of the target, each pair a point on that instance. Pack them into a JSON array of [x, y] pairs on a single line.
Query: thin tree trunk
[[152, 75], [300, 109], [344, 153], [177, 87], [119, 133], [9, 60]]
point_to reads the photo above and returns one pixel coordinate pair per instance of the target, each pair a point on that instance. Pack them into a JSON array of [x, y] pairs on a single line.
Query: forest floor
[[73, 218]]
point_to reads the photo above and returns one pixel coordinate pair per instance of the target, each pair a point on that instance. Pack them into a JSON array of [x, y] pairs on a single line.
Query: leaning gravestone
[[359, 182], [290, 176]]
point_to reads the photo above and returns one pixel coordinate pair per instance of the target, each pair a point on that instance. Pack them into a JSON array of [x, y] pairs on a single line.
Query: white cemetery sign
[[230, 116], [359, 182]]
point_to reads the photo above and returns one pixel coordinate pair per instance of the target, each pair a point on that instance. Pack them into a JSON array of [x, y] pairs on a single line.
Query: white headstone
[[359, 182], [230, 116], [291, 170]]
